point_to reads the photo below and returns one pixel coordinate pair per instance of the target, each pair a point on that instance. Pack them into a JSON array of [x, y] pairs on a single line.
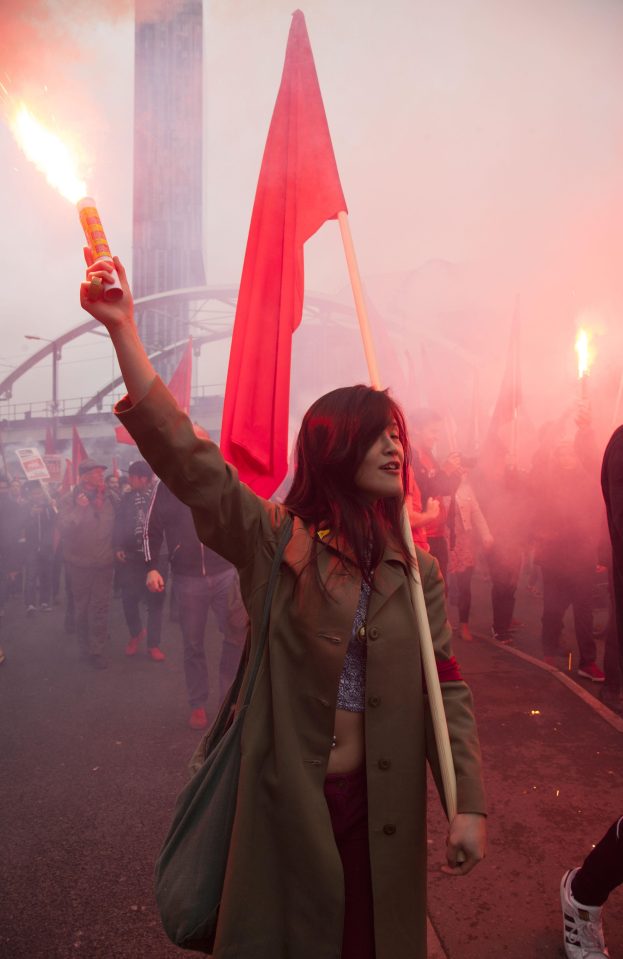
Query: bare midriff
[[349, 751]]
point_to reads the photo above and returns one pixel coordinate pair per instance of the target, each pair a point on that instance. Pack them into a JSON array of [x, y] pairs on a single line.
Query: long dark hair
[[336, 433]]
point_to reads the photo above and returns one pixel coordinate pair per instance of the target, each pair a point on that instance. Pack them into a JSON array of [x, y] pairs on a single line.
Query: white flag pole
[[440, 726]]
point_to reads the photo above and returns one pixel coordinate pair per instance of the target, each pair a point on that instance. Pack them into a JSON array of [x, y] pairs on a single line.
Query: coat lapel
[[391, 575]]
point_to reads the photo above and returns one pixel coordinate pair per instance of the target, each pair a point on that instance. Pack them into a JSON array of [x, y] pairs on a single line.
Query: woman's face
[[380, 473]]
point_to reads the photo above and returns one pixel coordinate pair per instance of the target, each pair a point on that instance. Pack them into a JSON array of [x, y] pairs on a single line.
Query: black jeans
[[561, 590], [131, 577], [438, 546], [602, 870], [504, 567], [38, 569]]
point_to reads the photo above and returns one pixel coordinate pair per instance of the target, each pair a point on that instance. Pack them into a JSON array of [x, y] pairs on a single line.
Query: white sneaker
[[583, 932]]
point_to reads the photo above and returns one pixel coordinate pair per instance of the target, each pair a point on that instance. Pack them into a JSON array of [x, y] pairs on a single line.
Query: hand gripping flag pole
[[440, 726]]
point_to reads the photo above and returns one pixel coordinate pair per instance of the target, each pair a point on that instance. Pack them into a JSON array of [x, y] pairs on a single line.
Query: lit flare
[[51, 155], [582, 349]]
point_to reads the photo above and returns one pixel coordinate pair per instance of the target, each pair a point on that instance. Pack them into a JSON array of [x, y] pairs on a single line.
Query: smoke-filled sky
[[480, 147]]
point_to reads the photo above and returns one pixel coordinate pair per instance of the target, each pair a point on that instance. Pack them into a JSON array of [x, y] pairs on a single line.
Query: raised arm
[[228, 516], [118, 318]]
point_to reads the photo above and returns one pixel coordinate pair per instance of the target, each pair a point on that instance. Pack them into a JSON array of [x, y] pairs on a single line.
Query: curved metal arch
[[317, 303], [156, 355]]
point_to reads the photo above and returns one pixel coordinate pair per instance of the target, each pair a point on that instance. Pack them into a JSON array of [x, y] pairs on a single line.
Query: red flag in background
[[67, 477], [179, 385], [298, 189], [509, 397], [50, 445], [181, 381], [78, 453]]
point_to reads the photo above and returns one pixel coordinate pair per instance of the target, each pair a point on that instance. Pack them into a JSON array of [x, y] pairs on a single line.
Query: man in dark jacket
[[202, 580], [567, 523], [87, 516], [128, 539], [612, 489]]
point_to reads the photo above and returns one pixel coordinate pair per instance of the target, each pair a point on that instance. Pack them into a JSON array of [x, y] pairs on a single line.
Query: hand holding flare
[[106, 285]]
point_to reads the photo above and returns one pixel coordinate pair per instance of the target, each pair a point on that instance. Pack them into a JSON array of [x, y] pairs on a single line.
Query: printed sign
[[53, 462], [33, 465]]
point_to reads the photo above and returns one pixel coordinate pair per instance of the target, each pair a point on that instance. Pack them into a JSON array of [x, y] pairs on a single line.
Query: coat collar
[[391, 574]]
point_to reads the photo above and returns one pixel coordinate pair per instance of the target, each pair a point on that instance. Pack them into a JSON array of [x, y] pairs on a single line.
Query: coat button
[[389, 829], [374, 701], [361, 633], [374, 632], [384, 764]]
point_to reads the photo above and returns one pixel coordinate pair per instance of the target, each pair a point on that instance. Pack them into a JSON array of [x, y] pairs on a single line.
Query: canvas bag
[[190, 868]]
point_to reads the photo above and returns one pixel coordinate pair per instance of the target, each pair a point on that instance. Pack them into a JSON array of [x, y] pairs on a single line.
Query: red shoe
[[198, 719], [132, 647], [156, 654], [592, 671]]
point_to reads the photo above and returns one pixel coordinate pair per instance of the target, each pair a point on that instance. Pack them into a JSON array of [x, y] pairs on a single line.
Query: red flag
[[181, 381], [298, 189], [509, 397], [68, 477], [78, 453], [50, 445], [179, 385]]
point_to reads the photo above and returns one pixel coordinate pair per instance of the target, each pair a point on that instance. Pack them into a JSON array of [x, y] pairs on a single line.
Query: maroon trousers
[[347, 799]]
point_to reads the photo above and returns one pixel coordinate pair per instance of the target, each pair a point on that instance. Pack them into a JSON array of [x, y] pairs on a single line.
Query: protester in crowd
[[567, 527], [505, 497], [420, 518], [13, 525], [202, 581], [317, 810], [128, 539], [584, 892], [4, 493], [612, 490], [56, 495], [433, 480], [112, 482], [40, 533], [468, 529], [87, 517]]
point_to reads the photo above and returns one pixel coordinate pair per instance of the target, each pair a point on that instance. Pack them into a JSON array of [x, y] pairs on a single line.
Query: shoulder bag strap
[[284, 539]]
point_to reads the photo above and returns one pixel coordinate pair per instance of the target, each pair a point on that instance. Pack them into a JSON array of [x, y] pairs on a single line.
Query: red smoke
[[38, 37]]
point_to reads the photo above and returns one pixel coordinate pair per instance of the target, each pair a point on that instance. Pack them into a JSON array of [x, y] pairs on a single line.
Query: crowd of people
[[210, 540], [548, 521], [105, 537]]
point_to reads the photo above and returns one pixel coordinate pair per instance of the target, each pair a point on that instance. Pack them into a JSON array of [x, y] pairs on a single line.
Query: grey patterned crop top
[[352, 689]]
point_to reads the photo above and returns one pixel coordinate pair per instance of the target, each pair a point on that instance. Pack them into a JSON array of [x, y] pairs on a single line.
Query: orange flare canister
[[98, 244]]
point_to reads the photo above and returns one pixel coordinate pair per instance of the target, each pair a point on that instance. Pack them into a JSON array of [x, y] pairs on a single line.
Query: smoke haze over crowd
[[479, 147]]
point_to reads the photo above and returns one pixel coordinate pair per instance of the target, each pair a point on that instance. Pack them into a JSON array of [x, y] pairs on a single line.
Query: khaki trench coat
[[283, 895]]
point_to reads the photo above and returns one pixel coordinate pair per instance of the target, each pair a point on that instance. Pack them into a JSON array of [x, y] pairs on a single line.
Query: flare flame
[[49, 153], [584, 354]]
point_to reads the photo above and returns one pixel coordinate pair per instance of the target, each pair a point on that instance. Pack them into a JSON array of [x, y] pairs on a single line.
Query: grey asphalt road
[[92, 762]]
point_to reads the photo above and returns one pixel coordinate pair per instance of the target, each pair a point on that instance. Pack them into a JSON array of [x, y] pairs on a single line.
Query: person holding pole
[[329, 850]]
